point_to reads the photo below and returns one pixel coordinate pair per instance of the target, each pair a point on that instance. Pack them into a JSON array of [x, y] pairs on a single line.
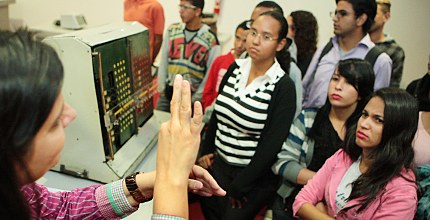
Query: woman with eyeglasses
[[253, 111], [372, 176], [33, 117], [316, 134]]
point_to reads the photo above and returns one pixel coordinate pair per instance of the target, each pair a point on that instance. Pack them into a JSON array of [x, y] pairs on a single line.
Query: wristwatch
[[130, 183]]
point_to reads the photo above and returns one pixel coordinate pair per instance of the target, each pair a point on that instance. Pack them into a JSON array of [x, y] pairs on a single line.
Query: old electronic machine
[[108, 81]]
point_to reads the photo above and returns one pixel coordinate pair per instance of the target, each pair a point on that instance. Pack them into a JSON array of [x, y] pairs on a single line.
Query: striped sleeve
[[165, 217], [112, 201], [92, 202], [292, 157]]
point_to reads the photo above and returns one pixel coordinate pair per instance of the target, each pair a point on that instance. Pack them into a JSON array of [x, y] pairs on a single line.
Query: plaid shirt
[[397, 56]]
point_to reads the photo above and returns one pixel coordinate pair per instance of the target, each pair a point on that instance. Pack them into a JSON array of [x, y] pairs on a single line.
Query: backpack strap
[[325, 50], [373, 55]]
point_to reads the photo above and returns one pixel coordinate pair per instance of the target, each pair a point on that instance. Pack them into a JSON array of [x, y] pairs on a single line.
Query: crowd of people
[[306, 132]]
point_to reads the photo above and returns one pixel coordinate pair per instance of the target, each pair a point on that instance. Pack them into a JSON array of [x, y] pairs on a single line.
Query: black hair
[[270, 4], [358, 73], [31, 75], [394, 152], [306, 38], [367, 7], [198, 3], [244, 25], [283, 56]]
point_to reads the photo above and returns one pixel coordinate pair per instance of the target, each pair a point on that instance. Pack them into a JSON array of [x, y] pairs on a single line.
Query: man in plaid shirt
[[387, 43]]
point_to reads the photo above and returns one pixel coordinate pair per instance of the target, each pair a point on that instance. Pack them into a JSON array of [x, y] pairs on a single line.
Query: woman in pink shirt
[[33, 117], [371, 177]]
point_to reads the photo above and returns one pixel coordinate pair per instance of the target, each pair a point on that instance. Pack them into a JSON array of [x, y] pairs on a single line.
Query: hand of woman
[[202, 183], [178, 143], [206, 161]]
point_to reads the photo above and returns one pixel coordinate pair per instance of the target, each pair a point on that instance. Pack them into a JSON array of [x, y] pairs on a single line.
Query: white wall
[[409, 23]]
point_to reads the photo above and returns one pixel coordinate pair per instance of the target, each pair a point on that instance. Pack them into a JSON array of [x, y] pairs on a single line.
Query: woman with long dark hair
[[371, 177], [33, 117], [316, 134], [304, 30], [254, 108]]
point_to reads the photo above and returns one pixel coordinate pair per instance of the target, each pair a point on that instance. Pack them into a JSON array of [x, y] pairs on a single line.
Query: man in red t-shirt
[[220, 65], [150, 13]]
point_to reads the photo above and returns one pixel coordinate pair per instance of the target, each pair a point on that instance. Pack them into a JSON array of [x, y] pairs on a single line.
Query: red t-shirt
[[218, 69], [150, 13]]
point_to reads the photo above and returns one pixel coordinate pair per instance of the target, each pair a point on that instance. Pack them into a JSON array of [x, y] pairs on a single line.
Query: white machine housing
[[84, 155]]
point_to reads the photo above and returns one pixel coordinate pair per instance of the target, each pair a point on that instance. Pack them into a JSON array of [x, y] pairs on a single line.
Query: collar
[[273, 73], [365, 41]]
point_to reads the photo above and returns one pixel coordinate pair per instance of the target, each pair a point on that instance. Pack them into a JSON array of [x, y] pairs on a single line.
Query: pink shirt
[[397, 201], [421, 144], [92, 202]]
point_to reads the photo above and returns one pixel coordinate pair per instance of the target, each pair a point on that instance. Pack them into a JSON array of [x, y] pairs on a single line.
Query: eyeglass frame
[[339, 13], [184, 6], [252, 31]]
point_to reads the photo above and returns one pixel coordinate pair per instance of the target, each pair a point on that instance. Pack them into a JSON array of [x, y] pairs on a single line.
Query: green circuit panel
[[141, 75], [113, 80]]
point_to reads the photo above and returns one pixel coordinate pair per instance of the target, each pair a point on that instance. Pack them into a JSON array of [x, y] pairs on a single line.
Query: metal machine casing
[[107, 79]]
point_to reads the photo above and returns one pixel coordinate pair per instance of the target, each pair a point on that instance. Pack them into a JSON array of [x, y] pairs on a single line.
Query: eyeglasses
[[264, 37], [186, 7], [339, 13]]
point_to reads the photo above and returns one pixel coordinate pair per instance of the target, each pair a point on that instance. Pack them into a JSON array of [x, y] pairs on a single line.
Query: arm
[[213, 53], [314, 191], [158, 27], [280, 116], [178, 143], [291, 164], [382, 70], [162, 69], [309, 212], [157, 45]]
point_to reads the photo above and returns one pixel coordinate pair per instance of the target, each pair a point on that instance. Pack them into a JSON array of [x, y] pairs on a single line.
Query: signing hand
[[178, 143]]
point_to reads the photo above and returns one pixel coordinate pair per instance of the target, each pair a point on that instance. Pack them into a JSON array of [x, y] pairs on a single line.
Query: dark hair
[[367, 7], [244, 25], [198, 3], [282, 56], [385, 5], [30, 81], [394, 152], [272, 5], [306, 38], [359, 73]]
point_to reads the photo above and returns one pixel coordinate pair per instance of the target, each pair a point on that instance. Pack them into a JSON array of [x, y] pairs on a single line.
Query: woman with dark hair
[[34, 116], [316, 134], [254, 108], [371, 177], [303, 28]]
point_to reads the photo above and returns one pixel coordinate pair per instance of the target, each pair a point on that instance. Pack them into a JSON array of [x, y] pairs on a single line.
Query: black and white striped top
[[242, 112]]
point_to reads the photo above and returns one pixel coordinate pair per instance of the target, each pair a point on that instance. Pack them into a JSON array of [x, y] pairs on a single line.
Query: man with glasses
[[386, 42], [352, 20], [188, 49]]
